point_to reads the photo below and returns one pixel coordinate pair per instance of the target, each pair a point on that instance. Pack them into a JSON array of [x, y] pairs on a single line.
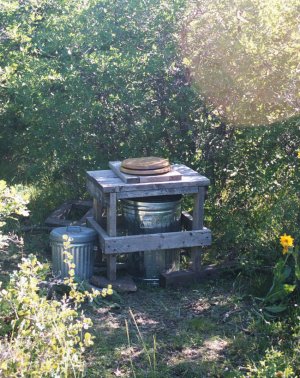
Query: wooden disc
[[145, 163], [147, 172]]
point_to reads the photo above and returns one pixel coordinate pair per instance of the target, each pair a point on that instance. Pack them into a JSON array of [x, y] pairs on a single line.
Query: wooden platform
[[115, 166], [107, 188]]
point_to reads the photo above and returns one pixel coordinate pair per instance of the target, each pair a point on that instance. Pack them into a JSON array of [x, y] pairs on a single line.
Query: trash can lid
[[77, 234]]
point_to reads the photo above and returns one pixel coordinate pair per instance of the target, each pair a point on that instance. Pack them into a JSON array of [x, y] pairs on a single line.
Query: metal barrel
[[149, 216], [82, 241]]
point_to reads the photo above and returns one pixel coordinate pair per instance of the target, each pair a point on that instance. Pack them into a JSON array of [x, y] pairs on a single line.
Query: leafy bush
[[12, 202], [254, 193], [88, 82], [274, 364], [42, 337]]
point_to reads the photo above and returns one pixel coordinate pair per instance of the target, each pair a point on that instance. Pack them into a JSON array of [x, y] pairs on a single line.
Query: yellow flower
[[298, 154], [88, 339], [71, 272], [286, 241]]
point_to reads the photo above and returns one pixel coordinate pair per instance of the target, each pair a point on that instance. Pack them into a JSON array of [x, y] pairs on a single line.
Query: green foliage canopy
[[87, 82], [82, 83], [244, 57]]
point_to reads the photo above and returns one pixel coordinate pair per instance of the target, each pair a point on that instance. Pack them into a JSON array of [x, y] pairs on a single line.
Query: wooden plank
[[96, 192], [160, 191], [97, 214], [149, 242], [112, 215], [111, 260], [111, 267], [97, 211], [109, 182], [188, 277], [131, 179], [101, 174], [196, 258], [198, 218], [102, 235], [169, 176], [177, 279], [198, 210], [59, 217], [116, 184], [112, 231]]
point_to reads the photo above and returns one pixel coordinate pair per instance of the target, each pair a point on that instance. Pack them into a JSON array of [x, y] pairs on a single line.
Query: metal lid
[[77, 234]]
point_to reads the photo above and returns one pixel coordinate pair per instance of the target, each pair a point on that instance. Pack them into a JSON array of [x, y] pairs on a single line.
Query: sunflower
[[286, 241]]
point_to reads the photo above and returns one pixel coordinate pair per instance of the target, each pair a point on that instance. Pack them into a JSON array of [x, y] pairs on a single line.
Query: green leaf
[[289, 288], [276, 309]]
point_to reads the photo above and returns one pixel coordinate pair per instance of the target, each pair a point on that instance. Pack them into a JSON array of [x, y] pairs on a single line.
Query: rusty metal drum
[[152, 215], [82, 242]]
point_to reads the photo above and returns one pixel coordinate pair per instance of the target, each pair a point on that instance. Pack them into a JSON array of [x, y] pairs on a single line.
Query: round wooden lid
[[145, 163], [147, 172]]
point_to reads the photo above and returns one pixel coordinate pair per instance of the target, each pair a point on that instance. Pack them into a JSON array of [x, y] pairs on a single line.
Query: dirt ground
[[201, 331]]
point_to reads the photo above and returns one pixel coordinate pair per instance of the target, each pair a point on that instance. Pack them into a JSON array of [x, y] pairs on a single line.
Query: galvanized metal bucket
[[149, 216], [82, 241]]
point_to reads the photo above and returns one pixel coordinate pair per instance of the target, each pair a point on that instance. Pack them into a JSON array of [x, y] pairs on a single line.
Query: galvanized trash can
[[82, 241], [152, 215]]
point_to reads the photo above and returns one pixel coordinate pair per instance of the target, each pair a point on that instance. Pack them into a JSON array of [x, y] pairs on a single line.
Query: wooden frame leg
[[112, 231], [97, 214], [198, 217], [111, 267], [196, 258]]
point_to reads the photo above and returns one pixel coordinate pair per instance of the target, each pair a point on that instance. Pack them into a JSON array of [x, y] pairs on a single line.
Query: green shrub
[[12, 202], [274, 364], [42, 337]]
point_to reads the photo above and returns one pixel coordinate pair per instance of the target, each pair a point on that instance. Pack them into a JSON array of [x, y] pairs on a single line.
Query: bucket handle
[[73, 228]]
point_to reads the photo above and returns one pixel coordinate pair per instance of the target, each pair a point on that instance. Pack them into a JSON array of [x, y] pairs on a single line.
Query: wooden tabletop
[[108, 182]]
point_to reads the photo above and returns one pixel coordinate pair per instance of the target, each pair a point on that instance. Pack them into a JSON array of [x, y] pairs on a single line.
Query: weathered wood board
[[59, 217], [188, 277], [108, 182], [173, 175], [148, 242]]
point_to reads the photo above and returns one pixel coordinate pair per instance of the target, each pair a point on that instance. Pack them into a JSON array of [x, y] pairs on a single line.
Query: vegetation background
[[86, 82]]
